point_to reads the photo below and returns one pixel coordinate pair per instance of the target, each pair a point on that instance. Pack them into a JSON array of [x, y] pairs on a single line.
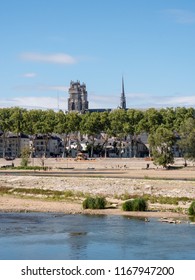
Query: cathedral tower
[[77, 100], [123, 99]]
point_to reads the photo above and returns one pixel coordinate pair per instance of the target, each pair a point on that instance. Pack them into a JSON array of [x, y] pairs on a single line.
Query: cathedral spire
[[123, 99]]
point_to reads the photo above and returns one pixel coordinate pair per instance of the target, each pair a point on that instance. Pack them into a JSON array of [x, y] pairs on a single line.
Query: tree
[[119, 125], [187, 136], [18, 124], [62, 128], [25, 153], [41, 122], [5, 126], [161, 142], [73, 120], [168, 117], [48, 125], [105, 124], [91, 125], [134, 119], [151, 121]]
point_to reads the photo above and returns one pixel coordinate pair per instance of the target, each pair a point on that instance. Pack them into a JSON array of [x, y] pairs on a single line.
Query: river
[[51, 236]]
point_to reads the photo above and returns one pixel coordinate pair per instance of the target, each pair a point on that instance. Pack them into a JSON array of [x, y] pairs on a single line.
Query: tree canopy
[[161, 142], [160, 124]]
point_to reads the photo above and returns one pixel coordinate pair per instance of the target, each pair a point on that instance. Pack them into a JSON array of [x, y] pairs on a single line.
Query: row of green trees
[[117, 122], [162, 126]]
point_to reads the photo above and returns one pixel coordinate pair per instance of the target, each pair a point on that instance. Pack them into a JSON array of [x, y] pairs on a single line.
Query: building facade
[[11, 145], [77, 100]]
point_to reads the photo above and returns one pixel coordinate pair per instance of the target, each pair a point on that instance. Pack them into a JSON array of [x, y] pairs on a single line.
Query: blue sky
[[47, 43]]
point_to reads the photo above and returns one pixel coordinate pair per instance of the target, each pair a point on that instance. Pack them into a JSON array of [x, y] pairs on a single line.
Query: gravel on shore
[[111, 188]]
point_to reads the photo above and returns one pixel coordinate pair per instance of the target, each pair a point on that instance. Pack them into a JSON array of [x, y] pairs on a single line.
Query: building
[[77, 100], [43, 145], [123, 99], [11, 145], [1, 144]]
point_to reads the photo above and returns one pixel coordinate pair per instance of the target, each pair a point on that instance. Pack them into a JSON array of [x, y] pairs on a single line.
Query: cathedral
[[77, 101]]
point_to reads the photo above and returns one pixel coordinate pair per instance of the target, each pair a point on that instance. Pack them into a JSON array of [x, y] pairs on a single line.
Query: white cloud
[[58, 58], [140, 100], [95, 101], [161, 101], [40, 87], [56, 88], [181, 16], [178, 101], [29, 75], [103, 101], [35, 102], [136, 95]]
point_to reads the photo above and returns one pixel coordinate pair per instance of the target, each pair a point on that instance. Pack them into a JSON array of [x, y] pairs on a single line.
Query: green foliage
[[91, 125], [43, 193], [25, 153], [161, 142], [151, 121], [134, 118], [5, 190], [187, 134], [191, 209], [137, 204], [128, 205], [118, 123], [94, 203], [73, 120], [165, 200]]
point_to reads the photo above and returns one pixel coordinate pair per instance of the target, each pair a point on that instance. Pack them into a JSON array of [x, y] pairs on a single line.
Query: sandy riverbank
[[112, 178], [13, 204], [111, 188]]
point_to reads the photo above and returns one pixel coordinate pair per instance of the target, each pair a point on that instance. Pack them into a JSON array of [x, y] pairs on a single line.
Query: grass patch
[[98, 202], [35, 191], [154, 199], [45, 168], [5, 190], [137, 204], [179, 210], [166, 199], [43, 193], [191, 209]]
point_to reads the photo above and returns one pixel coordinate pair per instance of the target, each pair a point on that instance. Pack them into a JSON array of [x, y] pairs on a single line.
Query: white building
[[46, 145]]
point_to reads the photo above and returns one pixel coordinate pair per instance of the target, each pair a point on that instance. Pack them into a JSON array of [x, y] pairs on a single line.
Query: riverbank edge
[[24, 205]]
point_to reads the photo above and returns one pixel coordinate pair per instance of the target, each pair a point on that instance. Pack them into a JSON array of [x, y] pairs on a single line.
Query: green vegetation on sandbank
[[42, 193]]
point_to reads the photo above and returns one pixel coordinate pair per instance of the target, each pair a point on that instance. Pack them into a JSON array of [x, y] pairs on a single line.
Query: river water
[[35, 236]]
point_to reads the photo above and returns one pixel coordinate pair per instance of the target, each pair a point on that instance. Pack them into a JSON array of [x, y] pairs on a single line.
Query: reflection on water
[[58, 236]]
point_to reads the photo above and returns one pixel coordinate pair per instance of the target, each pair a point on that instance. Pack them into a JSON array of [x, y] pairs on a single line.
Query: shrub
[[100, 203], [191, 209], [128, 205], [25, 153], [94, 203], [137, 204], [89, 202]]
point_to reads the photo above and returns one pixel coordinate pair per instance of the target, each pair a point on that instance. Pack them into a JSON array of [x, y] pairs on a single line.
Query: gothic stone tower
[[77, 100]]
